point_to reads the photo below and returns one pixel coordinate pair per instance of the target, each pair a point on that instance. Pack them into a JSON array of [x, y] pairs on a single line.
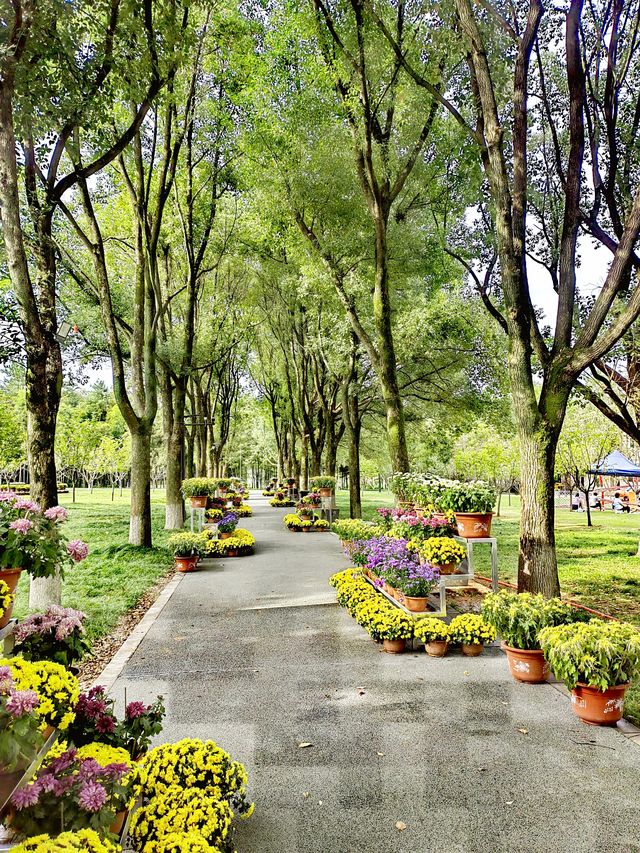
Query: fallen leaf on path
[[466, 672], [419, 678], [401, 826], [524, 731], [304, 744], [361, 692], [381, 754], [509, 803], [306, 794], [179, 638]]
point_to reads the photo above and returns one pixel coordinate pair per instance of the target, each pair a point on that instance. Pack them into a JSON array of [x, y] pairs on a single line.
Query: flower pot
[[306, 530], [598, 707], [474, 525], [527, 665], [47, 732], [232, 552], [118, 823], [472, 650], [436, 648], [445, 568], [387, 588], [441, 517], [393, 647], [198, 501], [11, 578], [325, 493], [185, 564], [224, 535], [416, 604]]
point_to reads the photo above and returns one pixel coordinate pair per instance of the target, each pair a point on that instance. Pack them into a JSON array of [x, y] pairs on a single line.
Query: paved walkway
[[255, 654]]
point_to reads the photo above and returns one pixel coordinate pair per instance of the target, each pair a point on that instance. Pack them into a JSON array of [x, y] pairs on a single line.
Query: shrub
[[198, 487], [519, 617], [471, 629], [228, 523], [475, 496], [392, 624], [321, 524], [599, 654], [281, 502], [185, 544]]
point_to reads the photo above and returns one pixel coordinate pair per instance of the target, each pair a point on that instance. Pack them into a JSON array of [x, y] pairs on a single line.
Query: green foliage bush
[[519, 617]]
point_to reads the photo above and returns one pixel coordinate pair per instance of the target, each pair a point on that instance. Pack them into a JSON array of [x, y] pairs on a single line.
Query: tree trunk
[[355, 496], [537, 564], [140, 521], [588, 508], [173, 409]]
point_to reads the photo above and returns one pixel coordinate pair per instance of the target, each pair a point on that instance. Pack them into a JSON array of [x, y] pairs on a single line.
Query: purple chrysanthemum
[[77, 550], [56, 513], [27, 504], [22, 702], [135, 710], [26, 797], [92, 797]]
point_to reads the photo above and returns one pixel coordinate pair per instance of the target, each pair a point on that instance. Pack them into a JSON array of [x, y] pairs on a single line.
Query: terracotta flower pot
[[598, 707], [198, 501], [445, 568], [436, 648], [231, 553], [527, 665], [393, 647], [11, 578], [387, 588], [325, 493], [474, 525], [118, 823], [224, 535], [472, 650], [306, 530], [185, 564], [416, 604]]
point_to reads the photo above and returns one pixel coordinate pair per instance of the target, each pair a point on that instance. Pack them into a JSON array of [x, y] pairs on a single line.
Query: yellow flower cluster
[[56, 687], [381, 619], [105, 754], [84, 839], [243, 511], [177, 809], [291, 519], [280, 503], [432, 629], [192, 763], [6, 597], [183, 842], [440, 550], [471, 629]]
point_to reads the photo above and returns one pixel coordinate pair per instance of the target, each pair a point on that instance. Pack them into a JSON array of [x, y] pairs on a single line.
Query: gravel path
[[255, 654]]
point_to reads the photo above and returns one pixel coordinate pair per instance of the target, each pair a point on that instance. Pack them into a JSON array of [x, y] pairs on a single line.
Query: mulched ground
[[105, 648]]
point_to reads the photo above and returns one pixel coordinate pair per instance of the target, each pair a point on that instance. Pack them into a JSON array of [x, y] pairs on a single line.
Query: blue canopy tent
[[616, 464]]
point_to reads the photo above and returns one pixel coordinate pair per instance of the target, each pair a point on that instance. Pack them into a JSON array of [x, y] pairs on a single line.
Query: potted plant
[[56, 635], [321, 525], [94, 719], [472, 504], [518, 619], [417, 585], [324, 485], [443, 553], [197, 490], [435, 634], [471, 632], [304, 510], [186, 549], [20, 735], [227, 525], [32, 540], [222, 484], [83, 841], [306, 525], [394, 628], [140, 724], [70, 793], [292, 521], [596, 660]]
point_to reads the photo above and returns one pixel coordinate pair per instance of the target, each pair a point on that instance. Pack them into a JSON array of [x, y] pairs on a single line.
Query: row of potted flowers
[[189, 548], [387, 624], [303, 524], [214, 492]]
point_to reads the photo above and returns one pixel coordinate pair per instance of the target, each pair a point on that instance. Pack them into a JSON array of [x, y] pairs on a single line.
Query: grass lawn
[[597, 565], [115, 575]]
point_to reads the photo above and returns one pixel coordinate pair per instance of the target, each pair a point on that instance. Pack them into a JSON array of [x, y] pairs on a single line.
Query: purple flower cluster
[[228, 522], [80, 782], [78, 550], [27, 505], [135, 710], [56, 513], [16, 703], [61, 621], [420, 580], [389, 555], [22, 525]]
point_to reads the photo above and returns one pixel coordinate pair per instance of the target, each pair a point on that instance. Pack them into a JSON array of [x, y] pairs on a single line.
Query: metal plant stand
[[469, 544]]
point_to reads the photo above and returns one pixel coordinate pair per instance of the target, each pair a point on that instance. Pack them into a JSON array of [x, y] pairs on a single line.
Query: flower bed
[[296, 524]]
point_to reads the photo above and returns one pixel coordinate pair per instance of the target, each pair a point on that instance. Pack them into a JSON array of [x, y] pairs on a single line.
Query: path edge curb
[[116, 665]]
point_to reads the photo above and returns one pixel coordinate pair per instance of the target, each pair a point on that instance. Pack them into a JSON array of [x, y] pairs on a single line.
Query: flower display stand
[[329, 511], [438, 602], [469, 544], [197, 519]]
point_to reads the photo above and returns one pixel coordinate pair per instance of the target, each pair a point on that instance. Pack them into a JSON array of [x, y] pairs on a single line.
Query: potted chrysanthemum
[[435, 634], [471, 632]]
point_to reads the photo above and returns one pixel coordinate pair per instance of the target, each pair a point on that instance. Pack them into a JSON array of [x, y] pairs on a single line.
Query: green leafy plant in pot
[[596, 660], [187, 548], [472, 504], [518, 618], [197, 490], [323, 485]]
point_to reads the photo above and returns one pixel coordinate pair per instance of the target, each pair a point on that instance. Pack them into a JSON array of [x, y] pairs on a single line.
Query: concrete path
[[255, 654]]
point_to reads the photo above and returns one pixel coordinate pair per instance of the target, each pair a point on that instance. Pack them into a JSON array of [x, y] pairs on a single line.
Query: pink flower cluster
[[135, 710], [78, 550], [27, 505], [17, 703], [56, 513], [22, 525], [94, 707], [62, 621]]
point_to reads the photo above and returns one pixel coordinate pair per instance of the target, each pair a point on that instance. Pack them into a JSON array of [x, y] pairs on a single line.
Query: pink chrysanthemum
[[92, 797], [77, 550], [56, 513], [22, 525]]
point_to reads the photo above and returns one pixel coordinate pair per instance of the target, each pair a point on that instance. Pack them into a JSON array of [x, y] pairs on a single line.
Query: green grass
[[597, 565], [115, 575]]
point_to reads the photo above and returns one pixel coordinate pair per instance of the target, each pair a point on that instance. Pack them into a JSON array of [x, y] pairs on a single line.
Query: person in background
[[594, 501], [575, 502], [617, 504]]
